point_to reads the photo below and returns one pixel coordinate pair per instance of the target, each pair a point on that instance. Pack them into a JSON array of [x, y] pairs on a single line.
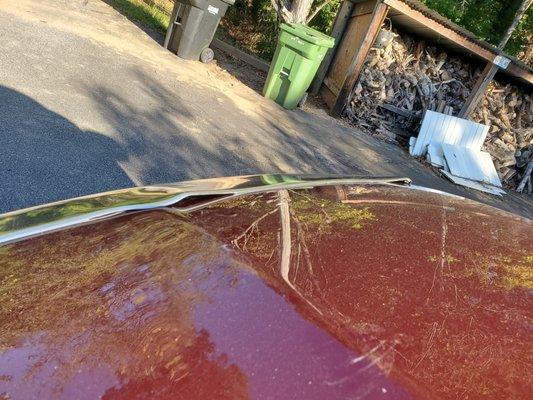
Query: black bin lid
[[202, 4]]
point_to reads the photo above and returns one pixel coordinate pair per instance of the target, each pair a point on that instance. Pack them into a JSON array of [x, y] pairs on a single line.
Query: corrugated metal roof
[[435, 16]]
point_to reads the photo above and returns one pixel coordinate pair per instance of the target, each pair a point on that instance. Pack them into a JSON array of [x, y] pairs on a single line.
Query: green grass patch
[[149, 16]]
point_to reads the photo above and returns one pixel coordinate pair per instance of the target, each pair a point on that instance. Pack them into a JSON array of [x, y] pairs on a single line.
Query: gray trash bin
[[192, 26]]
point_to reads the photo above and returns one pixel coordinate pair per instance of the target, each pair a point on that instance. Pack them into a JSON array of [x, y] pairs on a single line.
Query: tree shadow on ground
[[246, 74], [172, 130], [44, 157], [197, 131], [241, 71]]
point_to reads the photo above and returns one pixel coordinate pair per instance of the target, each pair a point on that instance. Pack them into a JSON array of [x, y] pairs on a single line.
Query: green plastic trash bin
[[298, 55]]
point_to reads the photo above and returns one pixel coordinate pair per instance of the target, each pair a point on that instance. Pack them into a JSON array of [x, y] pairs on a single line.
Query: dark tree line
[[490, 20]]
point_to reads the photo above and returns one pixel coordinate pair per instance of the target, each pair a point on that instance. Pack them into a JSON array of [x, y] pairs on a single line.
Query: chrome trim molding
[[436, 191], [29, 222]]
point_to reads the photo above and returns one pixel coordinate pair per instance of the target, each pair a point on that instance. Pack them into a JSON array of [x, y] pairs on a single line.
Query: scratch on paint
[[367, 354], [440, 266]]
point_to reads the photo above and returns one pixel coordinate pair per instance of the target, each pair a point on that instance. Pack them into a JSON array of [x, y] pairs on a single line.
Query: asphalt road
[[89, 103]]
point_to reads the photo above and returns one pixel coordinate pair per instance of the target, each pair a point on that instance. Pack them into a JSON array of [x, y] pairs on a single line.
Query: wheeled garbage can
[[298, 55], [192, 26]]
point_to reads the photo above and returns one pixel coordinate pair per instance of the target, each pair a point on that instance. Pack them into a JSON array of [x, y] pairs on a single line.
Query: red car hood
[[341, 292]]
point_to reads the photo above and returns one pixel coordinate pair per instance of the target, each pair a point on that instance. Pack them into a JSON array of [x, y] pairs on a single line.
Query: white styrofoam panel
[[423, 137], [435, 155], [441, 128], [473, 184], [471, 164]]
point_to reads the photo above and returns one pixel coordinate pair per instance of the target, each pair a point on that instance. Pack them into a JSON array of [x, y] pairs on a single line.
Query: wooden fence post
[[481, 85], [379, 14], [339, 26]]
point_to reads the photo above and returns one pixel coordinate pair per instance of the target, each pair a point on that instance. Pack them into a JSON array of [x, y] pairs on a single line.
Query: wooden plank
[[393, 13], [351, 39], [240, 55], [339, 27], [399, 111], [519, 72], [479, 89], [443, 31], [331, 86], [327, 95], [354, 35], [380, 12], [364, 8]]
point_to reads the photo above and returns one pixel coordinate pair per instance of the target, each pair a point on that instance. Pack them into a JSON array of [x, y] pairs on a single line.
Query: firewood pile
[[402, 77], [509, 113]]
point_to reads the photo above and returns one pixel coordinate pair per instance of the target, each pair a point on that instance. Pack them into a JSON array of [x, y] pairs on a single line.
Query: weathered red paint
[[389, 292]]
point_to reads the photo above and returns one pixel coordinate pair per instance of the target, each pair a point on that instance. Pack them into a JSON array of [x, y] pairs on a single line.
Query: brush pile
[[403, 77]]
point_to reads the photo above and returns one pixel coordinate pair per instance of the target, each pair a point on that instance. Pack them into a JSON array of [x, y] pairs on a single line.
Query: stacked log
[[403, 77], [509, 113]]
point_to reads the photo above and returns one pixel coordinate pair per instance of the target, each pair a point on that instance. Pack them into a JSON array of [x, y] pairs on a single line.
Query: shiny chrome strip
[[19, 225], [436, 191]]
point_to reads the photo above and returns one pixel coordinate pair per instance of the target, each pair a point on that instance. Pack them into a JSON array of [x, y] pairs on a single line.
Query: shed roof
[[416, 17]]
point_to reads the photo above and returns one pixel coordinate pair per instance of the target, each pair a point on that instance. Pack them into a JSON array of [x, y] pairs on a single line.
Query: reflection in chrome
[[436, 191], [38, 220], [286, 244]]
